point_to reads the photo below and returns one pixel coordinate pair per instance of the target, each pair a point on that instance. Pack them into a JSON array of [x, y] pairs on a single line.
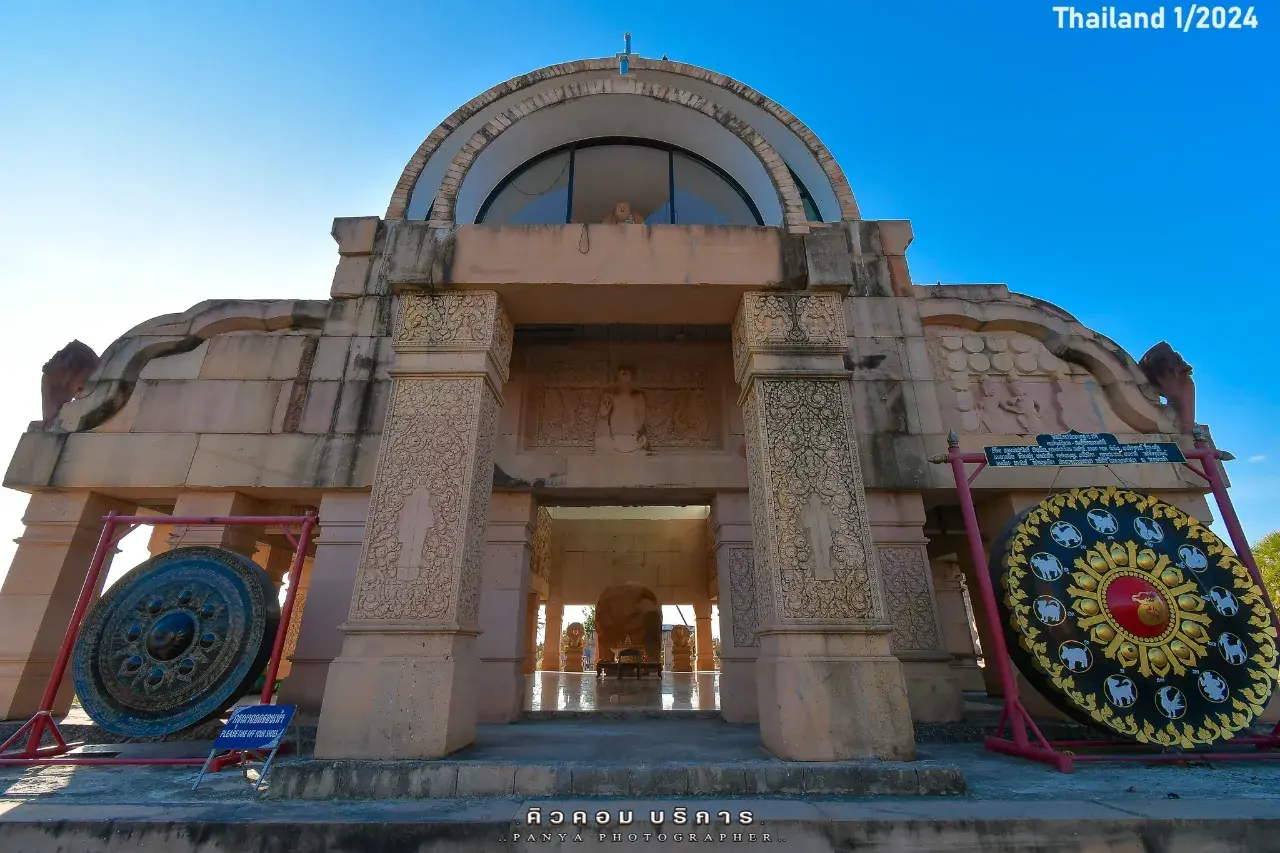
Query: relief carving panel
[[740, 563], [1008, 383], [787, 322], [540, 561], [808, 501], [594, 399], [908, 599], [472, 320], [421, 553]]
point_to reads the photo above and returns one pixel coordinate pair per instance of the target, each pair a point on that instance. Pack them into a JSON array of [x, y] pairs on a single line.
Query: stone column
[[241, 538], [735, 576], [504, 604], [897, 523], [333, 575], [705, 649], [275, 561], [954, 616], [553, 637], [40, 592], [405, 684], [532, 602], [830, 688], [295, 618]]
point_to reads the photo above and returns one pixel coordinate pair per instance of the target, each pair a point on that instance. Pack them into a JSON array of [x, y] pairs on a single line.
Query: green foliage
[[1266, 552], [589, 620]]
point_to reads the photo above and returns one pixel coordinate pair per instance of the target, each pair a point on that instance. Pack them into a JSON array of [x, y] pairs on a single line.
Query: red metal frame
[[1026, 740], [43, 722]]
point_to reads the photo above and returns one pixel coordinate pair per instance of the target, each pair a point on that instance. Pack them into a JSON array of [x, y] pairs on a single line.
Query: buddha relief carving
[[621, 426]]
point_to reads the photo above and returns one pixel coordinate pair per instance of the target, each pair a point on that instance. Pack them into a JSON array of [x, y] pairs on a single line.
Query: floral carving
[[806, 482], [761, 562], [787, 322], [540, 562], [740, 560], [909, 599], [457, 321], [439, 435]]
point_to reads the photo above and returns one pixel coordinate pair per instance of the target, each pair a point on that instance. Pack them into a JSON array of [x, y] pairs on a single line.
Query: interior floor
[[582, 691]]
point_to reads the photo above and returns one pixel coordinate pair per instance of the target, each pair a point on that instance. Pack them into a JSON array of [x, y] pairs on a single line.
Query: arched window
[[811, 211], [619, 179]]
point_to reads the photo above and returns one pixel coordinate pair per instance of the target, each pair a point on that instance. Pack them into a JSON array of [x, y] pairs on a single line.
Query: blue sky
[[156, 154]]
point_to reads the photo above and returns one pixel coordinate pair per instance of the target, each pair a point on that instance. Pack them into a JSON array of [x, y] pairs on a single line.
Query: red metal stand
[[43, 723], [1026, 740]]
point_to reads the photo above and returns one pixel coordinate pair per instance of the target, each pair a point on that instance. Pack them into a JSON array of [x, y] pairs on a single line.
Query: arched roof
[[435, 173]]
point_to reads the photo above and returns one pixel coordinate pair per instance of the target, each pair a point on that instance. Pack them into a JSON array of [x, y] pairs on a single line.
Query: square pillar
[[897, 523], [404, 686], [532, 603], [553, 637], [735, 576], [948, 587], [504, 603], [704, 647], [243, 539], [40, 592], [332, 577], [295, 618], [829, 686]]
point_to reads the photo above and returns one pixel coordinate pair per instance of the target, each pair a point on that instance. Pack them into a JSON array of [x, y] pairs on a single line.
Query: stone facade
[[465, 380]]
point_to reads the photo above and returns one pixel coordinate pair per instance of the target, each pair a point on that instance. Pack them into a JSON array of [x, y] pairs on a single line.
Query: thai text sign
[[1082, 448], [255, 727]]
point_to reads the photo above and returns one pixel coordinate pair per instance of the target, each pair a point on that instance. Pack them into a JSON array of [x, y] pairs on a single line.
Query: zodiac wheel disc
[[175, 642], [1129, 614]]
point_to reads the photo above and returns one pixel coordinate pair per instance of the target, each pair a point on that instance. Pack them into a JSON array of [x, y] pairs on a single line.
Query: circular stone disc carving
[[1128, 614], [175, 642]]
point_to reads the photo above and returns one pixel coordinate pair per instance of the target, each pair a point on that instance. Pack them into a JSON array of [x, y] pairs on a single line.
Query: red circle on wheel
[[1137, 606]]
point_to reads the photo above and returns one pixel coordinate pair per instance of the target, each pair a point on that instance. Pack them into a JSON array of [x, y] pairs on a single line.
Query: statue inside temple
[[622, 214], [621, 425], [681, 649], [64, 378], [573, 647]]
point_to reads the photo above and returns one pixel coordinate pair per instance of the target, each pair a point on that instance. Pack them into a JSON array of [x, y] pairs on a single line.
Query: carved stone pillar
[[830, 688], [332, 577], [954, 615], [704, 647], [404, 686], [897, 523], [504, 603], [735, 575]]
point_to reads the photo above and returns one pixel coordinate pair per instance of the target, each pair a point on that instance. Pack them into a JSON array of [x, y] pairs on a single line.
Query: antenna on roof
[[624, 59]]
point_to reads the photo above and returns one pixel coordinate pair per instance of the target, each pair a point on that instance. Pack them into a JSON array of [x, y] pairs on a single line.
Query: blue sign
[[1083, 448], [255, 727]]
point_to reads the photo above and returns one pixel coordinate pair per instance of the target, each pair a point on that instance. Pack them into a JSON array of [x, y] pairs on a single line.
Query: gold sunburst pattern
[[1131, 615]]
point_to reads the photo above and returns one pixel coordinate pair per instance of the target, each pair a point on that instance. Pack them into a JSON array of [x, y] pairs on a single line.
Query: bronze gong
[[1128, 614], [175, 642]]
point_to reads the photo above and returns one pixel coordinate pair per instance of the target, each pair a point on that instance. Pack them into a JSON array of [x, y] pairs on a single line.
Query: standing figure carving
[[621, 425], [1024, 408], [64, 378]]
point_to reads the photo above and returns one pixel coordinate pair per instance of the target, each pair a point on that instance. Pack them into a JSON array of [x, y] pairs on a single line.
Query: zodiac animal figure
[[1232, 648], [1171, 701], [1047, 567], [1213, 686], [1075, 658], [1103, 521], [1148, 529], [1224, 601], [1049, 610], [1193, 558], [1065, 534], [1120, 691]]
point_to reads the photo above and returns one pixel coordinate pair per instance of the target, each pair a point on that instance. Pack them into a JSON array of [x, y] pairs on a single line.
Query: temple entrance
[[627, 621]]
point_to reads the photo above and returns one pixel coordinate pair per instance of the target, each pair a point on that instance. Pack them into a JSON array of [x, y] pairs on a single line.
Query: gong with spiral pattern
[[175, 642], [1129, 614]]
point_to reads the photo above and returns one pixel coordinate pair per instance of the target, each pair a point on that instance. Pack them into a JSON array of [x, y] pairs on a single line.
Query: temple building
[[623, 338]]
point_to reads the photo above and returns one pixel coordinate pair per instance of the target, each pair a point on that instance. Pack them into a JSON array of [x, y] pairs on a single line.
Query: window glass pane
[[811, 211], [703, 197], [538, 195], [606, 176]]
